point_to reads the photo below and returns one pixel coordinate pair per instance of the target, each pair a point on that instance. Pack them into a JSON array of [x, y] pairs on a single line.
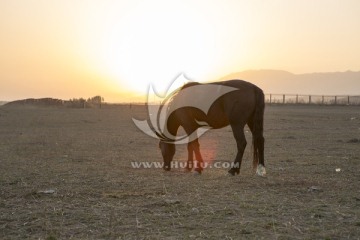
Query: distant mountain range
[[276, 81]]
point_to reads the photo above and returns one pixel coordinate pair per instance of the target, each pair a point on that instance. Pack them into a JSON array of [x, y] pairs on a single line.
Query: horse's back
[[237, 83], [236, 106], [235, 102]]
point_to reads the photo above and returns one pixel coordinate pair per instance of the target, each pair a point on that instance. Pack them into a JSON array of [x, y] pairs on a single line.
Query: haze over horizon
[[66, 49]]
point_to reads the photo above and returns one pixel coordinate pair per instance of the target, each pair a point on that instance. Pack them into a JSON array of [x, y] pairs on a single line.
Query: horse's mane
[[173, 95], [176, 92], [190, 84]]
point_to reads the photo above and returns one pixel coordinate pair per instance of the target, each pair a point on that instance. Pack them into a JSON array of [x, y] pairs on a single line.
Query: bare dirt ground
[[67, 174]]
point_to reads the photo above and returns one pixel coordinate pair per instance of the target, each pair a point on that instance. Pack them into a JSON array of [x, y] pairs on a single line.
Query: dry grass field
[[67, 174]]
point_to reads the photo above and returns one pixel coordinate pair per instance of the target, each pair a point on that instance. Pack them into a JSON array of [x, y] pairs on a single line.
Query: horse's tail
[[258, 128]]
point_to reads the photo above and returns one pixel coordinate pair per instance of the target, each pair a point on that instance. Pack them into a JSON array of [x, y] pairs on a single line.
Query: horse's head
[[168, 152]]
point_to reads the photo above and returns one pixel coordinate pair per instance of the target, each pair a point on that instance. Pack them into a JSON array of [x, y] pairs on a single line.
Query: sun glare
[[154, 46], [118, 48]]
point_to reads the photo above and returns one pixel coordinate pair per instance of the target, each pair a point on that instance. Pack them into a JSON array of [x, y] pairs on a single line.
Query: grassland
[[67, 174]]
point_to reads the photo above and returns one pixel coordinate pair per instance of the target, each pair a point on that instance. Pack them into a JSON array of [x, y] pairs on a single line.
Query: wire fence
[[312, 99]]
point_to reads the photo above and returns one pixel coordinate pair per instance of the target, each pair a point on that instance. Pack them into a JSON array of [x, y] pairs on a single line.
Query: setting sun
[[154, 46]]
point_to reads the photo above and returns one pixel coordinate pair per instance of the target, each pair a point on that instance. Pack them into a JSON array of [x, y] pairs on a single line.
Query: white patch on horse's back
[[261, 171]]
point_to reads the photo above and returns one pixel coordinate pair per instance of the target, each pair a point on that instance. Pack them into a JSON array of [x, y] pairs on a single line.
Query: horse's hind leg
[[258, 148], [238, 131], [251, 127]]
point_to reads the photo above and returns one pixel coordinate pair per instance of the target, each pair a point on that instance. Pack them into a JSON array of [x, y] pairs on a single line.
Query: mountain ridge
[[321, 83]]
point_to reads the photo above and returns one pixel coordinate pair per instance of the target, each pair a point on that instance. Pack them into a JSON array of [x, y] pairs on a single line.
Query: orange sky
[[73, 48]]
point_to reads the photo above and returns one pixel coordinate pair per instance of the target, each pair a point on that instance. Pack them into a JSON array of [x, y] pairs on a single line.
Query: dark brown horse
[[243, 105]]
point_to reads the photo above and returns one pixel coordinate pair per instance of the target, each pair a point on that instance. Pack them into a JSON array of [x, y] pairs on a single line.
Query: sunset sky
[[71, 48]]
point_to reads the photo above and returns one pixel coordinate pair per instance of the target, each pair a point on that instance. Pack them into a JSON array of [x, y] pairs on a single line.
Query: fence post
[[344, 99]]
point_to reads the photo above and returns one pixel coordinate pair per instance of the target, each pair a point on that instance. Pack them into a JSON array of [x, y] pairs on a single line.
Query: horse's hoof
[[261, 171], [166, 169], [197, 172], [233, 171]]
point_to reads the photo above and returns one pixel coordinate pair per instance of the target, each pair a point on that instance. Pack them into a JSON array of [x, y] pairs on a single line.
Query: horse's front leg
[[190, 161], [199, 164], [190, 127]]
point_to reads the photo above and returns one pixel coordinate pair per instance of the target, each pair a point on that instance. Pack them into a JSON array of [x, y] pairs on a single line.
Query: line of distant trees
[[96, 101]]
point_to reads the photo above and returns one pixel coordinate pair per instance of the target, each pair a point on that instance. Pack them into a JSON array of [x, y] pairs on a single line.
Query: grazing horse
[[244, 105]]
